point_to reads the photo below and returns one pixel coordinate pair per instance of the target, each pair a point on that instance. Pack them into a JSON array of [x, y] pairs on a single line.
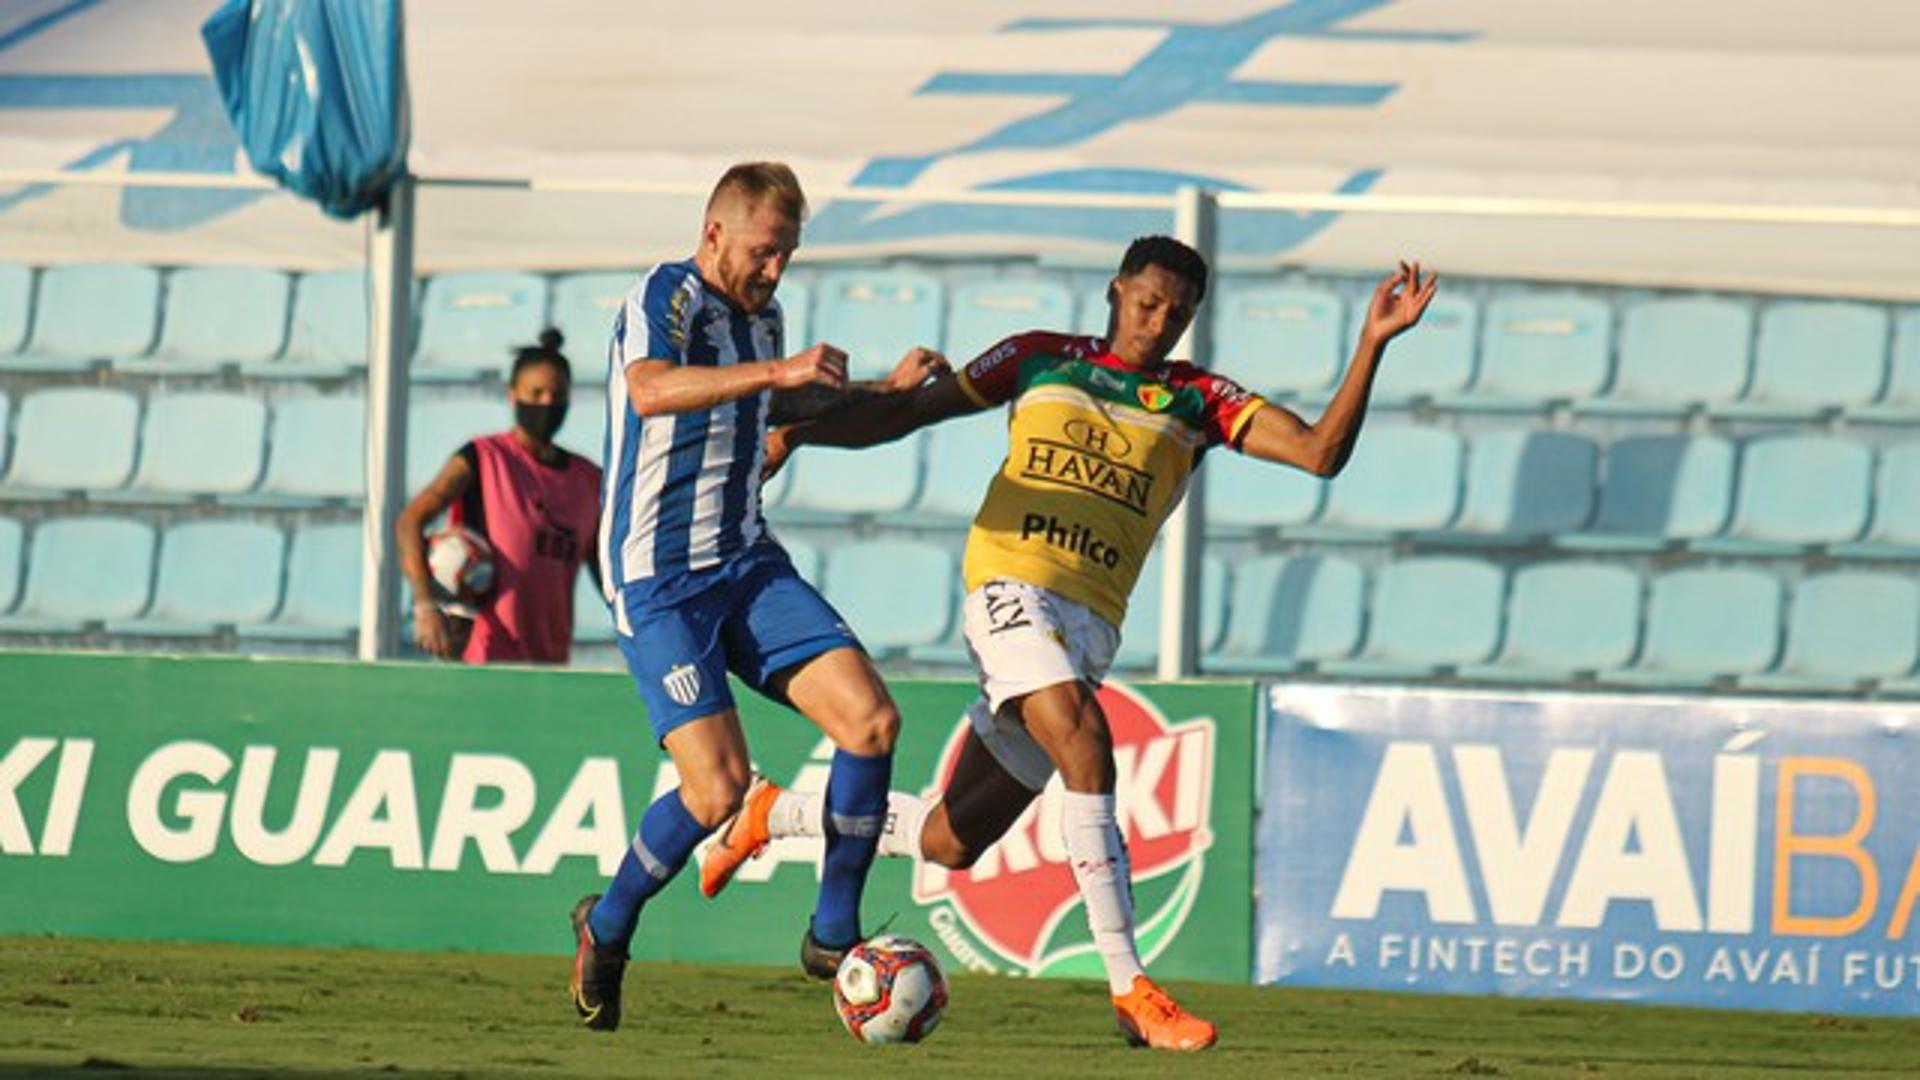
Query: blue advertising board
[[1730, 853]]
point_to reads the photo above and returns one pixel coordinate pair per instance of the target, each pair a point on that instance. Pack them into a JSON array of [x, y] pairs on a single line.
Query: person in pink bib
[[537, 505]]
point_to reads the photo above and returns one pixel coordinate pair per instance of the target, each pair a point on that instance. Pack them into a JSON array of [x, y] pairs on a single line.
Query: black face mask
[[540, 421]]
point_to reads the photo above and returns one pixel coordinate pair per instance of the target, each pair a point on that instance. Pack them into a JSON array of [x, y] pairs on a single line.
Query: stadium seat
[[584, 306], [72, 439], [83, 570], [1566, 620], [1900, 403], [1437, 361], [1523, 484], [437, 429], [895, 594], [16, 309], [983, 313], [327, 333], [1092, 311], [1895, 532], [88, 314], [1677, 354], [217, 316], [212, 574], [830, 482], [1657, 489], [1797, 490], [806, 560], [1705, 625], [963, 454], [1278, 342], [6, 421], [1289, 612], [1429, 614], [1140, 632], [1401, 477], [585, 432], [317, 452], [471, 323], [323, 587], [12, 541], [1536, 350], [592, 622], [1245, 494], [796, 314], [1812, 357], [1845, 630], [197, 444], [876, 316]]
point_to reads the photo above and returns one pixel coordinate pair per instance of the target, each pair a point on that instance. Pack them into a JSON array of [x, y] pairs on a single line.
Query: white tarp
[[1767, 102]]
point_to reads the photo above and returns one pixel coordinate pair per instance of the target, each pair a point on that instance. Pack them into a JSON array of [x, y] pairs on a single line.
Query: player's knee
[[712, 800], [873, 732]]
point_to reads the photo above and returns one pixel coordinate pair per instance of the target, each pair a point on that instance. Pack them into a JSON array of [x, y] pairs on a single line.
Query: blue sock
[[667, 836], [856, 811]]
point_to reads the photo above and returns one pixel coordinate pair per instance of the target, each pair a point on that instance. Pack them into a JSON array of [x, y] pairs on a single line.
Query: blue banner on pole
[[1726, 853]]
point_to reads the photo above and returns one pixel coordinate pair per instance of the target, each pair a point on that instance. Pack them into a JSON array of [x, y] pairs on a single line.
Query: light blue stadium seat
[[16, 309], [1401, 477], [584, 306], [876, 316], [1900, 403], [1704, 625], [212, 574], [197, 444], [72, 439], [1538, 349], [1429, 614], [1656, 489], [1566, 620], [981, 314], [1845, 630], [963, 454], [1813, 356], [1525, 483], [592, 621], [83, 570], [1895, 532], [1278, 342], [831, 482], [1676, 354], [316, 451], [323, 587], [806, 560], [585, 431], [895, 594], [6, 422], [327, 333], [87, 314], [1140, 632], [216, 316], [1245, 494], [796, 314], [12, 542], [1289, 612], [1092, 311], [1798, 490], [1435, 361], [437, 429], [471, 322]]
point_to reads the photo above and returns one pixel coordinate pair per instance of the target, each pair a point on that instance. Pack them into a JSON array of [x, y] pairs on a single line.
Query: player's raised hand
[[1399, 301], [916, 367], [821, 364]]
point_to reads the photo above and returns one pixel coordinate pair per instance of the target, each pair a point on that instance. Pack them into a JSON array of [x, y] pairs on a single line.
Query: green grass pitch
[[72, 1008]]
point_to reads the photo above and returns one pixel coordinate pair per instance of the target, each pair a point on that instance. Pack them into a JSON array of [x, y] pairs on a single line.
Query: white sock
[[798, 814], [1099, 859]]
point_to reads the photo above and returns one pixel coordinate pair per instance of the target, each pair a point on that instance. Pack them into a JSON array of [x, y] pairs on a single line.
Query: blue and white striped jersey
[[681, 493]]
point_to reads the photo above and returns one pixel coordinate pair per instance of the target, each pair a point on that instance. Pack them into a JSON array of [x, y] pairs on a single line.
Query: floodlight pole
[[1194, 213], [390, 326]]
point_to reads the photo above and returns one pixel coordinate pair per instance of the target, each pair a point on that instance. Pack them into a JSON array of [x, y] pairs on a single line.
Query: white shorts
[[1025, 638]]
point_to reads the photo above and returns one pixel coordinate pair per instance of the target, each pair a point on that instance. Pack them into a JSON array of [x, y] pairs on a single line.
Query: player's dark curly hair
[[546, 352], [1170, 255]]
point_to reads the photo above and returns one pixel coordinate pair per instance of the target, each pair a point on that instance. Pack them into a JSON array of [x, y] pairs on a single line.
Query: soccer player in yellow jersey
[[1102, 437]]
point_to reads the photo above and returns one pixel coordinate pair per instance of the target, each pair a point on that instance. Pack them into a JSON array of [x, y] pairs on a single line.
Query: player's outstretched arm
[[663, 388], [1323, 447], [886, 418]]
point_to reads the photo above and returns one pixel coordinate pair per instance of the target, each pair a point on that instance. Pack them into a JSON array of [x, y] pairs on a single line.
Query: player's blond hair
[[761, 182]]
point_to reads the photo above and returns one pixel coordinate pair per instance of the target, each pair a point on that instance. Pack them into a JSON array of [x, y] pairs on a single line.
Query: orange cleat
[[740, 839], [1148, 1017]]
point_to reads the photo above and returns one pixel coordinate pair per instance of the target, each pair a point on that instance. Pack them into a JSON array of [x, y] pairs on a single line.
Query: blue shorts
[[755, 617]]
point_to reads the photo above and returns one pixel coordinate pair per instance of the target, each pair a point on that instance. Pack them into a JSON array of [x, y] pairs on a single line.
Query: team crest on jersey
[[683, 683], [1155, 398], [677, 321]]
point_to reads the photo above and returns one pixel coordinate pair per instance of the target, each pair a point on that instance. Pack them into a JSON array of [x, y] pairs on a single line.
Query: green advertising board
[[431, 807]]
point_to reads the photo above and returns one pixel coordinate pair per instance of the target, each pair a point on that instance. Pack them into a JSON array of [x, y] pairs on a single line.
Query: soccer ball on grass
[[890, 990]]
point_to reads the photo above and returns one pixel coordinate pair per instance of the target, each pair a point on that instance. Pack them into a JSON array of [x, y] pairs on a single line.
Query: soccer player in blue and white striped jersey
[[699, 587]]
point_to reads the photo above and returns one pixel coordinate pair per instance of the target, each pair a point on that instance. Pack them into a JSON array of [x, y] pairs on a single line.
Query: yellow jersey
[[1098, 453]]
